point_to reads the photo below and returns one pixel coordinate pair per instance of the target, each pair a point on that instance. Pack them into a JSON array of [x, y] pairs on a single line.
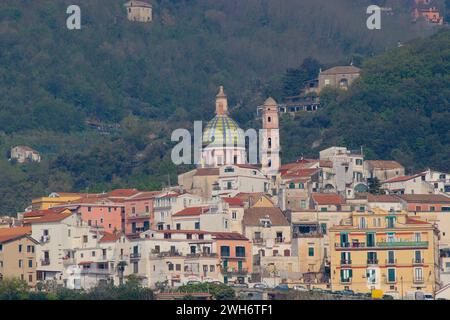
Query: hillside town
[[337, 223]]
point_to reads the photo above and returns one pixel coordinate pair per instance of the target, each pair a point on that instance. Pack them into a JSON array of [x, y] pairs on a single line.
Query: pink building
[[139, 213], [425, 202]]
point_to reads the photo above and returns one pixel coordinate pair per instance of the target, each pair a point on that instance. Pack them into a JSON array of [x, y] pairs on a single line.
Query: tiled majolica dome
[[222, 130]]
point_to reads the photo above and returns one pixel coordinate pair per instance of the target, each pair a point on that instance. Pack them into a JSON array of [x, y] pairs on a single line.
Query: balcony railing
[[414, 244], [68, 261], [258, 240], [418, 261], [45, 239], [346, 281], [279, 240], [201, 255], [391, 261], [354, 245], [135, 256], [96, 271], [346, 262], [45, 262], [417, 280], [232, 271], [372, 261]]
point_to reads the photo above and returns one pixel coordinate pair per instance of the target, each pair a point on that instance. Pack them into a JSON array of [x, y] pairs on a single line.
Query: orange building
[[234, 255], [432, 15]]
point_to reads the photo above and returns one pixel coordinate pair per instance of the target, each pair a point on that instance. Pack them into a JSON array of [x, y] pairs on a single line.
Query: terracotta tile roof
[[122, 193], [207, 172], [41, 213], [327, 199], [401, 179], [8, 234], [382, 198], [341, 70], [253, 216], [246, 197], [415, 221], [110, 237], [248, 166], [52, 217], [234, 202], [424, 198], [182, 231], [145, 195], [299, 173], [194, 211], [384, 164], [326, 164], [228, 236]]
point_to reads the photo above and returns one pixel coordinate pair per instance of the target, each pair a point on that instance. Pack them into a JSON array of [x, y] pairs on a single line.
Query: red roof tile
[[327, 199], [228, 236], [110, 237], [53, 217], [234, 202], [194, 211], [401, 179], [8, 234], [124, 193]]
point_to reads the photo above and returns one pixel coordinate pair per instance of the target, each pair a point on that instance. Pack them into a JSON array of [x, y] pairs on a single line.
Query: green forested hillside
[[152, 78]]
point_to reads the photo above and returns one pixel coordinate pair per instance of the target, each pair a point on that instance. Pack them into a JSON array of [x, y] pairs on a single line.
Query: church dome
[[223, 131]]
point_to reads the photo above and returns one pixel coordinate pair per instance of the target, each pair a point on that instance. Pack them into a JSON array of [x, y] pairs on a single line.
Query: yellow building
[[54, 199], [18, 254], [388, 251]]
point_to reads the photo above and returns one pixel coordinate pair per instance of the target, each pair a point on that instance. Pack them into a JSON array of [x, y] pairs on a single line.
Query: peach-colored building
[[139, 212], [425, 202], [235, 256]]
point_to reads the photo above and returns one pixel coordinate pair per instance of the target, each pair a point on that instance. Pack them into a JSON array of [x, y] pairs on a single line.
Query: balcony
[[391, 262], [417, 280], [354, 245], [96, 271], [233, 271], [403, 244], [45, 239], [372, 261], [345, 281], [346, 262], [279, 240], [166, 254], [135, 256], [45, 262], [418, 261], [201, 255], [258, 241], [68, 261]]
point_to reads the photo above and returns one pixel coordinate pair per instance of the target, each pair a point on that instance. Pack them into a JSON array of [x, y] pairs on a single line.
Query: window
[[93, 253], [234, 215], [417, 237], [301, 185], [197, 226], [391, 275], [20, 248], [147, 209], [240, 251], [178, 267], [390, 222], [303, 204], [178, 226], [287, 253], [269, 119], [30, 278], [362, 223], [269, 142], [229, 185], [346, 275], [418, 274], [229, 170], [211, 268], [432, 208], [1, 247], [370, 237], [20, 263], [323, 226], [391, 257], [292, 185], [135, 267], [109, 209], [189, 236], [310, 252], [225, 251], [89, 209], [30, 263]]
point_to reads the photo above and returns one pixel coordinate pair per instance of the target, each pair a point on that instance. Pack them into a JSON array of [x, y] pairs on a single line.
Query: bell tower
[[270, 135], [221, 103]]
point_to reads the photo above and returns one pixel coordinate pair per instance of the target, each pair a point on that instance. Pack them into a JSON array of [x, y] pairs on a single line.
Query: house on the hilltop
[[139, 11], [340, 77], [24, 154]]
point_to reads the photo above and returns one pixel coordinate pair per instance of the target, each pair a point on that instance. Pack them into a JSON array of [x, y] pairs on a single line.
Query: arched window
[[269, 119], [270, 164], [269, 142], [301, 185], [292, 185]]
